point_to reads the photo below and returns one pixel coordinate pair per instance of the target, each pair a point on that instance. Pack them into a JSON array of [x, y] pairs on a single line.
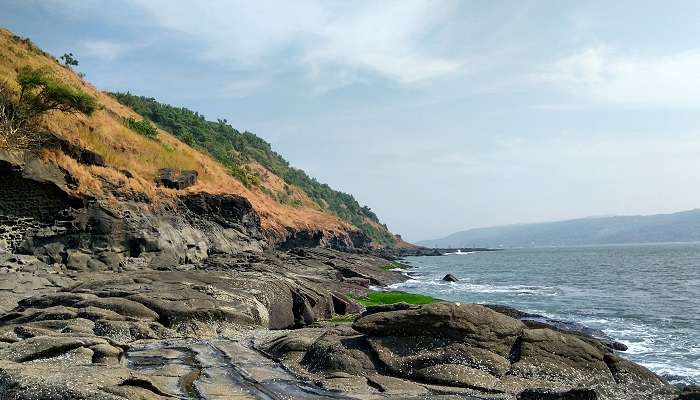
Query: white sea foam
[[466, 286]]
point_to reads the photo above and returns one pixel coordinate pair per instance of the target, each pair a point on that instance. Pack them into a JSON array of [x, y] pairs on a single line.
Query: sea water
[[646, 296]]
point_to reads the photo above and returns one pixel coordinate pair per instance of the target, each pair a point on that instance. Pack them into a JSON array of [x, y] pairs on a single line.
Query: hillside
[[227, 161], [237, 150], [677, 227]]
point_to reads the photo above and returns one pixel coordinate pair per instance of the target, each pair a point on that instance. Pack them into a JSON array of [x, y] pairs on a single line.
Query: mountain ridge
[[682, 226]]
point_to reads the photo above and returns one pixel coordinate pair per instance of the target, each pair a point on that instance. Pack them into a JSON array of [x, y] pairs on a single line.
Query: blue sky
[[439, 115]]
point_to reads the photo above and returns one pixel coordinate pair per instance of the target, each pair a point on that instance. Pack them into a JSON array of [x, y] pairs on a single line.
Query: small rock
[[690, 393], [450, 278], [77, 260]]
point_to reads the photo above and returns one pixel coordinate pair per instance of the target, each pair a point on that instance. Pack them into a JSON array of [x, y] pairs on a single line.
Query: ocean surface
[[646, 296]]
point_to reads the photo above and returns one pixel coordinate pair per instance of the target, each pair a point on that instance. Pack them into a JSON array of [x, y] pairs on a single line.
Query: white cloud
[[334, 41], [383, 37], [606, 75], [105, 50]]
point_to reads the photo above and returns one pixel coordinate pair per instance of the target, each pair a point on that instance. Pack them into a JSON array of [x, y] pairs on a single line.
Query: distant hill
[[677, 227]]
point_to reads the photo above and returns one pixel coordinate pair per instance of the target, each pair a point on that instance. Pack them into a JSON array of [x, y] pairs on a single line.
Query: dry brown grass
[[124, 149]]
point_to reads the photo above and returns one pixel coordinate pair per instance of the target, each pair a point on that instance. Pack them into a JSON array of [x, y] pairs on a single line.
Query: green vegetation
[[143, 127], [69, 60], [31, 46], [392, 265], [376, 298], [343, 319], [39, 93], [233, 149]]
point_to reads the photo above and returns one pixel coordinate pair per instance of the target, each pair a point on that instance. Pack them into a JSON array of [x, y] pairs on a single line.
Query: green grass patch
[[343, 319], [378, 298], [392, 265]]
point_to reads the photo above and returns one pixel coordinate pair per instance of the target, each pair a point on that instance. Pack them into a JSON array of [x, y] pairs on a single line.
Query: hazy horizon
[[440, 116], [591, 217]]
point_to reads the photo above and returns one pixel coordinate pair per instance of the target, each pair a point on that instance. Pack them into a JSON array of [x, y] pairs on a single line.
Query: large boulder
[[470, 323]]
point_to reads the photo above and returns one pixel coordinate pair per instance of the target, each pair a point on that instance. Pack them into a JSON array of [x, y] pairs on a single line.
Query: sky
[[439, 115]]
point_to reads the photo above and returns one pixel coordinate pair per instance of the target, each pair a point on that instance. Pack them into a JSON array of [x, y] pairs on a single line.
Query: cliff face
[[102, 164], [43, 217]]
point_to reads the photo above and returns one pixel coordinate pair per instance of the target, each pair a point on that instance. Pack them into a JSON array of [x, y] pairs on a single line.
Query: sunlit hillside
[[132, 160]]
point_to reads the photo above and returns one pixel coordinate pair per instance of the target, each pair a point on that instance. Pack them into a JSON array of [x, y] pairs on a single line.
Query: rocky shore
[[189, 299]]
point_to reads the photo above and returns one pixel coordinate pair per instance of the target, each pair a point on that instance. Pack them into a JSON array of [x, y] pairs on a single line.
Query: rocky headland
[[138, 263], [190, 299]]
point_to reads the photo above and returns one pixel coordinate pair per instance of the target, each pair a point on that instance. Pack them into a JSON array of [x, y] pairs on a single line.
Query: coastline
[[545, 283], [183, 299]]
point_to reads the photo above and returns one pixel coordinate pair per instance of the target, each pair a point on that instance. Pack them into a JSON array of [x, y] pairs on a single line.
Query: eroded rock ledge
[[459, 351]]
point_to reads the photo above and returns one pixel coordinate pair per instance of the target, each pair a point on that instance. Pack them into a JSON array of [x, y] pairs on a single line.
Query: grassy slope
[[123, 149], [235, 149]]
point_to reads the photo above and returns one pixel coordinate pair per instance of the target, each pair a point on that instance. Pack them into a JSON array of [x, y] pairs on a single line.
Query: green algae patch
[[392, 265], [376, 298]]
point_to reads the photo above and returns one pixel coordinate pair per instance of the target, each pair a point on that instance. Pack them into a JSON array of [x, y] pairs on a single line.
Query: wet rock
[[548, 394], [450, 278], [691, 392], [540, 321]]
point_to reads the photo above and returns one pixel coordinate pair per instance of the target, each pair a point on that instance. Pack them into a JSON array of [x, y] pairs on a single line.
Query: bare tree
[[17, 131]]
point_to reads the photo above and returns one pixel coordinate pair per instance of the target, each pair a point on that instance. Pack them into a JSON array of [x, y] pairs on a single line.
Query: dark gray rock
[[549, 394], [470, 323], [173, 179], [540, 321], [77, 260], [450, 278]]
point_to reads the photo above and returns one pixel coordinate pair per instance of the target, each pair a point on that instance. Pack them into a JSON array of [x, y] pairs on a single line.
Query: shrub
[[69, 59], [188, 138], [243, 174], [39, 93], [144, 127]]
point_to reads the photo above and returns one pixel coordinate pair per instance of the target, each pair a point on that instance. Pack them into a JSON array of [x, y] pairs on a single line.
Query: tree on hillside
[[39, 93], [69, 60]]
